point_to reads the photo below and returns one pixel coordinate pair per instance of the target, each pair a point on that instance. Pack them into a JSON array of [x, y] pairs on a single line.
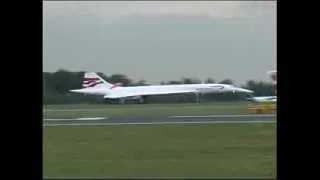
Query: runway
[[179, 119]]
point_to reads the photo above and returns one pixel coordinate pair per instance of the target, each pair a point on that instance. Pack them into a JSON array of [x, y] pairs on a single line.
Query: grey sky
[[162, 40]]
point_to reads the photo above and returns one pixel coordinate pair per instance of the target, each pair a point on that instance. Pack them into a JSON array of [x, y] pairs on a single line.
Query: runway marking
[[224, 116], [160, 123], [78, 119]]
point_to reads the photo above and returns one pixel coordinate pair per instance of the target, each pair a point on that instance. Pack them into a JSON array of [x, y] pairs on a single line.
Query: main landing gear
[[143, 100], [140, 100], [197, 97]]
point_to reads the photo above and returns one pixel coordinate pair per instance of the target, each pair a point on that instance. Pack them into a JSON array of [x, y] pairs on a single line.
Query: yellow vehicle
[[262, 108]]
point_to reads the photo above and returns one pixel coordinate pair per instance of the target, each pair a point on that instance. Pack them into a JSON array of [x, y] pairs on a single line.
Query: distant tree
[[187, 81], [120, 78], [174, 82], [141, 83], [260, 88], [209, 80], [62, 81], [226, 81], [190, 81]]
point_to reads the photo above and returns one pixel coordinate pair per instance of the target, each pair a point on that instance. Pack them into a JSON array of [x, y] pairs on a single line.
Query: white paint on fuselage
[[200, 87], [136, 91]]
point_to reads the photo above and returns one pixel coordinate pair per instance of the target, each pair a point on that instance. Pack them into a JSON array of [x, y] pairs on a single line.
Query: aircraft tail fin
[[92, 79]]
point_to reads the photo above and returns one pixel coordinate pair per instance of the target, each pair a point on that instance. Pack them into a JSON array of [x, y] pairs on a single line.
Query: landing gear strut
[[122, 101], [197, 98], [143, 100]]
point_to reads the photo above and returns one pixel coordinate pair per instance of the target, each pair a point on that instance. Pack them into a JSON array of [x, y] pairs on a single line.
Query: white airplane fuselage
[[95, 85], [119, 92]]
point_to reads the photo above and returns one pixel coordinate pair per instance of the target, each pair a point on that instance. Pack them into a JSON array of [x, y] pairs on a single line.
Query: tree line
[[56, 86]]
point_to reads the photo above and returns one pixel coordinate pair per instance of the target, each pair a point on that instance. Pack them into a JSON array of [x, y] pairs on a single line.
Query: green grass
[[216, 150], [76, 111]]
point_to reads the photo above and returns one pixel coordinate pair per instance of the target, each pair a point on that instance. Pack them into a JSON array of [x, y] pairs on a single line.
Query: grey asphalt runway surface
[[208, 119]]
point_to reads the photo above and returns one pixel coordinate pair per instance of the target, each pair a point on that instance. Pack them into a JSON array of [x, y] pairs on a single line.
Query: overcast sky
[[162, 40]]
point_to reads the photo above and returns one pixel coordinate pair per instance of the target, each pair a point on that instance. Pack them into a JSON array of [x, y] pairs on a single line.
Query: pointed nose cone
[[242, 90], [75, 90]]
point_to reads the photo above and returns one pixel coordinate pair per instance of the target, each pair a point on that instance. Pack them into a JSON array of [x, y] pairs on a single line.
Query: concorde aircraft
[[95, 85]]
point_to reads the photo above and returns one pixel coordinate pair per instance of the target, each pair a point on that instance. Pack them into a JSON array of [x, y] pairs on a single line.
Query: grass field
[[216, 150], [76, 111]]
